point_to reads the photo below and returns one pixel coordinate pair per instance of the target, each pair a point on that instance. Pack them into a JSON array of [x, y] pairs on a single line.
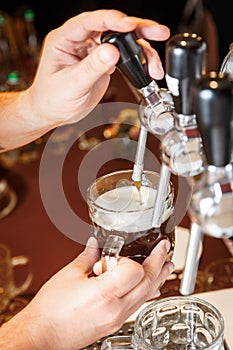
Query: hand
[[73, 75], [75, 308], [74, 70]]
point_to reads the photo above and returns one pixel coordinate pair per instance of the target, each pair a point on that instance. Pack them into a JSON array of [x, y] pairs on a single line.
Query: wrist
[[26, 331], [32, 114], [14, 334]]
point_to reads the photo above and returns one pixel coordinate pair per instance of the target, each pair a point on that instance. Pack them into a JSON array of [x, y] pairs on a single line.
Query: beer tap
[[156, 107], [181, 147], [211, 208], [185, 62], [155, 113]]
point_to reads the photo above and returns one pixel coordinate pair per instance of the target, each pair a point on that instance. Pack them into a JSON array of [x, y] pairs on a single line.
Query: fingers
[[151, 30], [85, 261], [122, 279], [130, 284], [156, 272], [67, 46], [155, 68], [101, 20], [86, 24], [133, 285], [140, 282], [99, 62], [157, 258], [92, 24]]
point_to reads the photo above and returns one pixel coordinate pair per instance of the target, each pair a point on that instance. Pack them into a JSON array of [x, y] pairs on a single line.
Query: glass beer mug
[[118, 209], [173, 323]]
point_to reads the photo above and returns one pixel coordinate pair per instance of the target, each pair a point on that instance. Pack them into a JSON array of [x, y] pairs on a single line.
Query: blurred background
[[24, 225], [212, 18]]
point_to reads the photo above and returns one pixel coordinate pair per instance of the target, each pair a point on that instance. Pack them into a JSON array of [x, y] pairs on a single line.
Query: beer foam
[[120, 209]]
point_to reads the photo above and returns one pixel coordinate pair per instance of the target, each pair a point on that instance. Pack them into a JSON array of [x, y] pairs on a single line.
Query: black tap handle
[[213, 106], [132, 62], [185, 55]]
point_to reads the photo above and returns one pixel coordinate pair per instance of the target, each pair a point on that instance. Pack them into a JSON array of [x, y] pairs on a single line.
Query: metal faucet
[[193, 120], [211, 208], [156, 106]]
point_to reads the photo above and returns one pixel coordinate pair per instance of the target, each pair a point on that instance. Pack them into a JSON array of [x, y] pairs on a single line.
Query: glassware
[[219, 274], [8, 196], [118, 209], [8, 289], [174, 323]]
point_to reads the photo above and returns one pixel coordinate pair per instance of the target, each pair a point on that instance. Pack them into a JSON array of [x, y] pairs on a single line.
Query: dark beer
[[116, 208], [138, 245]]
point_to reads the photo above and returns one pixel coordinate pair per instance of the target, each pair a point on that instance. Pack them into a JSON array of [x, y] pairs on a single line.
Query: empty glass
[[8, 288], [219, 274], [186, 323]]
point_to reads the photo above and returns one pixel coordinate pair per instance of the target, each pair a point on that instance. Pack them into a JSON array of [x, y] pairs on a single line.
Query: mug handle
[[111, 251], [21, 260], [117, 343]]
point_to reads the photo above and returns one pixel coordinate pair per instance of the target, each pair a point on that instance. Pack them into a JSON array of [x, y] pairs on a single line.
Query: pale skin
[[76, 306], [73, 75], [74, 309]]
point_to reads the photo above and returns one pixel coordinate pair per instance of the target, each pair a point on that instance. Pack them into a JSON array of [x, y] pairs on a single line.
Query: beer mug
[[8, 196], [8, 289], [120, 211], [219, 274], [174, 323]]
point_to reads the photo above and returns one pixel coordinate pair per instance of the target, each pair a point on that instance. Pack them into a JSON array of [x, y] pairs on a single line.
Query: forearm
[[14, 335], [19, 124], [27, 331]]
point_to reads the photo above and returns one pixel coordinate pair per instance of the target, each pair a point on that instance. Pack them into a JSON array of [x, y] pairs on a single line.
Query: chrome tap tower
[[193, 120], [211, 208]]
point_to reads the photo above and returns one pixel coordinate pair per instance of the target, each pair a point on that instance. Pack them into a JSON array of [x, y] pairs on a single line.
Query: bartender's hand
[[75, 70], [75, 308], [73, 74]]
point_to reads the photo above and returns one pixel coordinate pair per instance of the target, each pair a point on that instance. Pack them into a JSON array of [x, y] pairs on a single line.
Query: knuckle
[[114, 317], [149, 281], [91, 65]]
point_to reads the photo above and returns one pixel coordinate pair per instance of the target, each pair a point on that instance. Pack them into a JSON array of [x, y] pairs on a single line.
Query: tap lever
[[132, 62], [158, 106], [185, 62], [213, 106]]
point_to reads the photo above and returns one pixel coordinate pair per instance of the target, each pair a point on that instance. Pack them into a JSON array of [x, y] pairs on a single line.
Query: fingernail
[[92, 242], [161, 284], [157, 294], [157, 71], [171, 267], [107, 55], [167, 245]]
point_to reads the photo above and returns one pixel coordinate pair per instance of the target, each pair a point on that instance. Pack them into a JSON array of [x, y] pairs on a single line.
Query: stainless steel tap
[[156, 106], [194, 121], [181, 146], [211, 208], [185, 62]]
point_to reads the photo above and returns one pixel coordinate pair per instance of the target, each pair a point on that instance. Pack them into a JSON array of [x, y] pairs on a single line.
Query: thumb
[[88, 257], [100, 61]]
